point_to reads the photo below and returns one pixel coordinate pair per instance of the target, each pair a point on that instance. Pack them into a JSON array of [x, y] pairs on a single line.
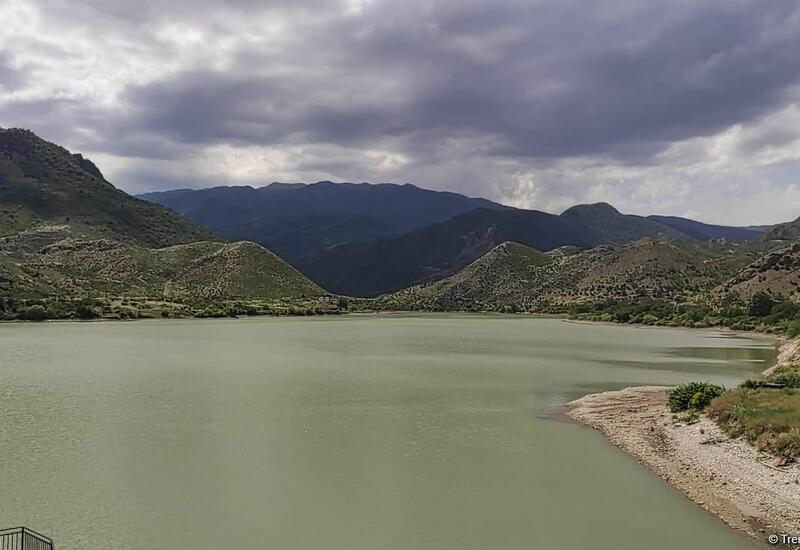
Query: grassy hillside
[[513, 277], [440, 250], [789, 231], [203, 270], [503, 278], [776, 272], [70, 240], [42, 183]]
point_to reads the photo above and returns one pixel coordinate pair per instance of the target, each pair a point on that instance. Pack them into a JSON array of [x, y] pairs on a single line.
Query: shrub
[[691, 417], [787, 444], [693, 395], [33, 313], [761, 304], [84, 311], [788, 376]]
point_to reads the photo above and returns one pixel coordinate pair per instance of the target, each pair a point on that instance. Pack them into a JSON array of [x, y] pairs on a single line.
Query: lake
[[359, 432]]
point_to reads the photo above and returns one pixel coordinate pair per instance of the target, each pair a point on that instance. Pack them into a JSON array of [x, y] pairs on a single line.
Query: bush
[[691, 417], [33, 313], [84, 311], [761, 304], [787, 444], [694, 395], [788, 376]]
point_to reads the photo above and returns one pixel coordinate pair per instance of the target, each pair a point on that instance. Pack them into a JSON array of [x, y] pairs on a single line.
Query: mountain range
[[366, 240], [297, 220], [67, 235]]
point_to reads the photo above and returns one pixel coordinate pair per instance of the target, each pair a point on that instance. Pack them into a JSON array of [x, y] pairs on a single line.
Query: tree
[[761, 304]]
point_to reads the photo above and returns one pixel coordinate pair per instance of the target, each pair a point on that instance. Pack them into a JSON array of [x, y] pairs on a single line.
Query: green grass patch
[[768, 418]]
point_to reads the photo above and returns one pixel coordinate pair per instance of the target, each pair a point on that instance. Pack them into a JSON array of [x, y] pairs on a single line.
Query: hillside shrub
[[787, 445], [693, 395], [788, 375], [761, 304], [85, 311], [33, 313]]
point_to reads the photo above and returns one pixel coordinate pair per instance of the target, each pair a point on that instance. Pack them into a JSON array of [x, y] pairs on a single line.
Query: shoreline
[[727, 477], [726, 332]]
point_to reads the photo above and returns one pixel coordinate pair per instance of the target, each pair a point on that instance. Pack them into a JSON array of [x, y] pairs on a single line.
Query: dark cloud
[[534, 79], [458, 93]]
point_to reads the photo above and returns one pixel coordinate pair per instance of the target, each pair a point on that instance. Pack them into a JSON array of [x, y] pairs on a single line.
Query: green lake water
[[386, 432]]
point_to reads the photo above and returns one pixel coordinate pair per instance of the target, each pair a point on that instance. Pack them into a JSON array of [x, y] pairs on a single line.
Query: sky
[[678, 107]]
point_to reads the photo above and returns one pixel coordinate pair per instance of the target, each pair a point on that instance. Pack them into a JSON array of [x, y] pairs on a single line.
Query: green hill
[[439, 250], [789, 231], [503, 277], [514, 277], [43, 183], [777, 273], [69, 236], [203, 271]]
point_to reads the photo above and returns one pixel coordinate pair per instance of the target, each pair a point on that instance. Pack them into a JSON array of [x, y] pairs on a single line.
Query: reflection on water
[[390, 432]]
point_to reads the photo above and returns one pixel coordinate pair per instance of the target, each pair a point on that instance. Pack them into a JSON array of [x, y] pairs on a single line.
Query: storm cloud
[[657, 106]]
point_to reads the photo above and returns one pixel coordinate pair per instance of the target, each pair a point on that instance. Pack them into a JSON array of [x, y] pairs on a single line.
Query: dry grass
[[768, 418]]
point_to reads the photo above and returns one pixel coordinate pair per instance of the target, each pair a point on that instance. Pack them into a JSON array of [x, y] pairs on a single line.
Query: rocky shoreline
[[727, 477]]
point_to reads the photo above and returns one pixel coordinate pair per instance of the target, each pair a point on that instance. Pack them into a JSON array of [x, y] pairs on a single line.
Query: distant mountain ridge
[[365, 239], [297, 220], [440, 250], [704, 232]]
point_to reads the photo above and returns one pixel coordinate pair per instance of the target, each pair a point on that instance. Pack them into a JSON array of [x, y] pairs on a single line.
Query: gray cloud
[[11, 76], [558, 81], [513, 90]]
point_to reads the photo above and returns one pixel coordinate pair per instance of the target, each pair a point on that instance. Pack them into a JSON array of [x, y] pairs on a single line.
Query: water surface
[[351, 433]]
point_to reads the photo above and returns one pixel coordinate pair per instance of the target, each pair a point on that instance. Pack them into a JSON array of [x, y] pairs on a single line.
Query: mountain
[[789, 231], [440, 250], [67, 234], [513, 277], [607, 225], [298, 220], [42, 183], [776, 272], [505, 276], [705, 232]]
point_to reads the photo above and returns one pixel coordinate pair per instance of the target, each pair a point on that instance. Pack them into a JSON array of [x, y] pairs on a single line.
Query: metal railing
[[22, 538]]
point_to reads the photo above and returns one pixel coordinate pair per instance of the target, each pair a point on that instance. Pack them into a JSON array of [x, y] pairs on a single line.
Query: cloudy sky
[[657, 106]]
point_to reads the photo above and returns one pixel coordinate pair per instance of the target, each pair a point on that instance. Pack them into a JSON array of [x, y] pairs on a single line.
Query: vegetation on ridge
[[74, 246]]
